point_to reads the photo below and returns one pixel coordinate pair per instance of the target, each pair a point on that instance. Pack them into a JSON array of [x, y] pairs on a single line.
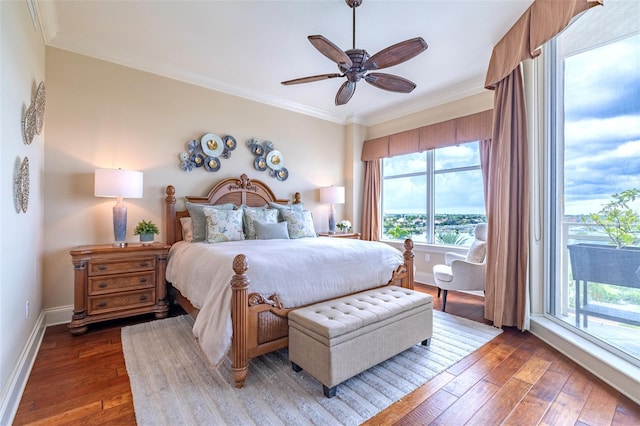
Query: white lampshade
[[332, 195], [118, 183]]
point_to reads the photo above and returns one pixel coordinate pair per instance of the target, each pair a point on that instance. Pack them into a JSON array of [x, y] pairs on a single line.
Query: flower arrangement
[[344, 225]]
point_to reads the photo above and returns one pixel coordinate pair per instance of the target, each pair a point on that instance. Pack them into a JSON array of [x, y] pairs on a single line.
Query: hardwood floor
[[514, 379]]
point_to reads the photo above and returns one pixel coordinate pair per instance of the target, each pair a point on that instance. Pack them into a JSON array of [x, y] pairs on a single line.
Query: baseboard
[[12, 394], [18, 379], [620, 374], [59, 315]]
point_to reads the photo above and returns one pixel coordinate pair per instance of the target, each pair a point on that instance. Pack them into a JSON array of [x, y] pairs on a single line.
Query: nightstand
[[115, 282], [351, 235]]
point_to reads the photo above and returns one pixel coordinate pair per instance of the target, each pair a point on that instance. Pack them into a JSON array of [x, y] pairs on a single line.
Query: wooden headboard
[[239, 191]]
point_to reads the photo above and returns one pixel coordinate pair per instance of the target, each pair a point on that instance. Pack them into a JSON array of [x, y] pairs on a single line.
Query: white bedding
[[299, 272]]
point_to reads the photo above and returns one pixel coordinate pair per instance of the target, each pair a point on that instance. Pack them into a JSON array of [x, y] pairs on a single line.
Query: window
[[593, 83], [433, 197]]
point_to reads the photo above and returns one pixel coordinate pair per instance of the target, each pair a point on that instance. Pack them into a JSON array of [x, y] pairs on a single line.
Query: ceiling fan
[[356, 64]]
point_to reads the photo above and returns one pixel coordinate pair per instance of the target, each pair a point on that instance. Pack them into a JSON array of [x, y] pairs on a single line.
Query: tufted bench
[[339, 338]]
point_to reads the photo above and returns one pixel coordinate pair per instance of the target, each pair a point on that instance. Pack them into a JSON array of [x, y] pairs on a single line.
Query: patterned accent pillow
[[223, 225], [199, 222], [187, 229], [272, 231], [285, 207], [299, 223], [252, 215]]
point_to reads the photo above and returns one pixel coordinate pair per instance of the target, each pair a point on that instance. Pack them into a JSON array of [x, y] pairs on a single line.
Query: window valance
[[469, 128], [541, 22]]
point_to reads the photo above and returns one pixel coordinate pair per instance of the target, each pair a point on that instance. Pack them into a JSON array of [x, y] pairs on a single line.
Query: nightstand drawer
[[117, 266], [110, 284], [134, 299]]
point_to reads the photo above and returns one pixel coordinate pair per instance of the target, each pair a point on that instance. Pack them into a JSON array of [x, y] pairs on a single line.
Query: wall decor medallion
[[268, 158], [21, 185], [29, 124], [33, 119], [39, 104], [207, 152]]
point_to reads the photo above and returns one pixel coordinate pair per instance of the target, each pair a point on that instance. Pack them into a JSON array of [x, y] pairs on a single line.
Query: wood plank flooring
[[514, 379]]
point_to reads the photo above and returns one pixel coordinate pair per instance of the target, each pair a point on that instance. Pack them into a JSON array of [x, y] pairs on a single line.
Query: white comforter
[[299, 272]]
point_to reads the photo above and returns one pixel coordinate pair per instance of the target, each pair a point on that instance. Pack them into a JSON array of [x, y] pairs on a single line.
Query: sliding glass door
[[593, 95]]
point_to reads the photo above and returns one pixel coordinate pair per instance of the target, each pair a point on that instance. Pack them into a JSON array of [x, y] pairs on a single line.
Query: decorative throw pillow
[[477, 252], [223, 225], [252, 214], [199, 222], [187, 229], [299, 223], [272, 231], [284, 207]]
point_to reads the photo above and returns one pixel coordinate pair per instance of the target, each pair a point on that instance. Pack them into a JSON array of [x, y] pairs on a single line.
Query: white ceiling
[[246, 48]]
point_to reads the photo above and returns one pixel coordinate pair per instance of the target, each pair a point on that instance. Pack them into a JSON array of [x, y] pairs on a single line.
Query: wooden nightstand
[[352, 235], [115, 282]]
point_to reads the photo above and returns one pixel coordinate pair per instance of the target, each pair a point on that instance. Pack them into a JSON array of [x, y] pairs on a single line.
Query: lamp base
[[332, 220], [120, 244], [120, 224]]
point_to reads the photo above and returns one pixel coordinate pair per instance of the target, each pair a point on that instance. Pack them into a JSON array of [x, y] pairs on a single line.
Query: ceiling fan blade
[[330, 50], [396, 54], [390, 82], [345, 92], [311, 78]]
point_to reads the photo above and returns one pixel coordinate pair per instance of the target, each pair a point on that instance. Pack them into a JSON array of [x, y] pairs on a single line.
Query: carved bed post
[[408, 261], [239, 315], [170, 215]]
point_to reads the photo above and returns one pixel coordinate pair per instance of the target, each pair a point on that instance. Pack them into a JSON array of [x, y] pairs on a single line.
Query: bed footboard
[[260, 327]]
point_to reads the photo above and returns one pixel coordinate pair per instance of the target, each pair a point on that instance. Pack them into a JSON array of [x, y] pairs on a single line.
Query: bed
[[251, 310]]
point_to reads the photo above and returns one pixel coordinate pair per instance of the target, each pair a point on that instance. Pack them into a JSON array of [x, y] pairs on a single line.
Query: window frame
[[430, 176]]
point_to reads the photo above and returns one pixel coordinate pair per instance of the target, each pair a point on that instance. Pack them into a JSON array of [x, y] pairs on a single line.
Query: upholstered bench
[[339, 338]]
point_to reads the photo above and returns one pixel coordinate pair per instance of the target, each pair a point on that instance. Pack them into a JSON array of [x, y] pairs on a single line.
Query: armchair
[[463, 272]]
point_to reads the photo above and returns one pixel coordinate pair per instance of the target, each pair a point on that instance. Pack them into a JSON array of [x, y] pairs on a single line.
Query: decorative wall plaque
[[267, 157], [207, 152]]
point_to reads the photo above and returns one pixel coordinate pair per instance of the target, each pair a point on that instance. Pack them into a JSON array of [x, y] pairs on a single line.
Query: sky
[[602, 124]]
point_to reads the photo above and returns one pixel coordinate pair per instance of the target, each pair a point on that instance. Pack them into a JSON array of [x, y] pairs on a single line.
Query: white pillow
[[223, 225], [285, 207], [187, 229], [477, 252], [272, 231]]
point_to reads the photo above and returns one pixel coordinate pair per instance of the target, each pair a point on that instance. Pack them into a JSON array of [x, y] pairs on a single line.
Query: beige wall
[[106, 115], [22, 60]]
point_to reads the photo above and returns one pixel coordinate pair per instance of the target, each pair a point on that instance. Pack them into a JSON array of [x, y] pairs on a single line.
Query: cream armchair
[[463, 272]]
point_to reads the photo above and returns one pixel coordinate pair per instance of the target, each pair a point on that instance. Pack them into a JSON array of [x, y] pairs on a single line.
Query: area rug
[[173, 383]]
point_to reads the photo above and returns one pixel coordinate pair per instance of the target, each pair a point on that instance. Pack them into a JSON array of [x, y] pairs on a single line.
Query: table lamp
[[120, 184], [332, 195]]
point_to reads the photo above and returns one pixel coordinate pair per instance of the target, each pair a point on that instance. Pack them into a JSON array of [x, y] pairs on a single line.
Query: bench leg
[[426, 342], [329, 392], [295, 367]]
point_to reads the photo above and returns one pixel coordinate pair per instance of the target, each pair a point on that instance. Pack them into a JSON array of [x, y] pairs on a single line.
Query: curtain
[[505, 159], [371, 201], [505, 163]]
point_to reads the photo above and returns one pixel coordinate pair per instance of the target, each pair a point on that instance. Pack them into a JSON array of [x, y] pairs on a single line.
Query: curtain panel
[[459, 130], [371, 201], [505, 159]]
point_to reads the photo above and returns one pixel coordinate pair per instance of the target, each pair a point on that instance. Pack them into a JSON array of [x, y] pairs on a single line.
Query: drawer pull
[[144, 264], [102, 285], [143, 280], [102, 305], [143, 297], [102, 267]]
